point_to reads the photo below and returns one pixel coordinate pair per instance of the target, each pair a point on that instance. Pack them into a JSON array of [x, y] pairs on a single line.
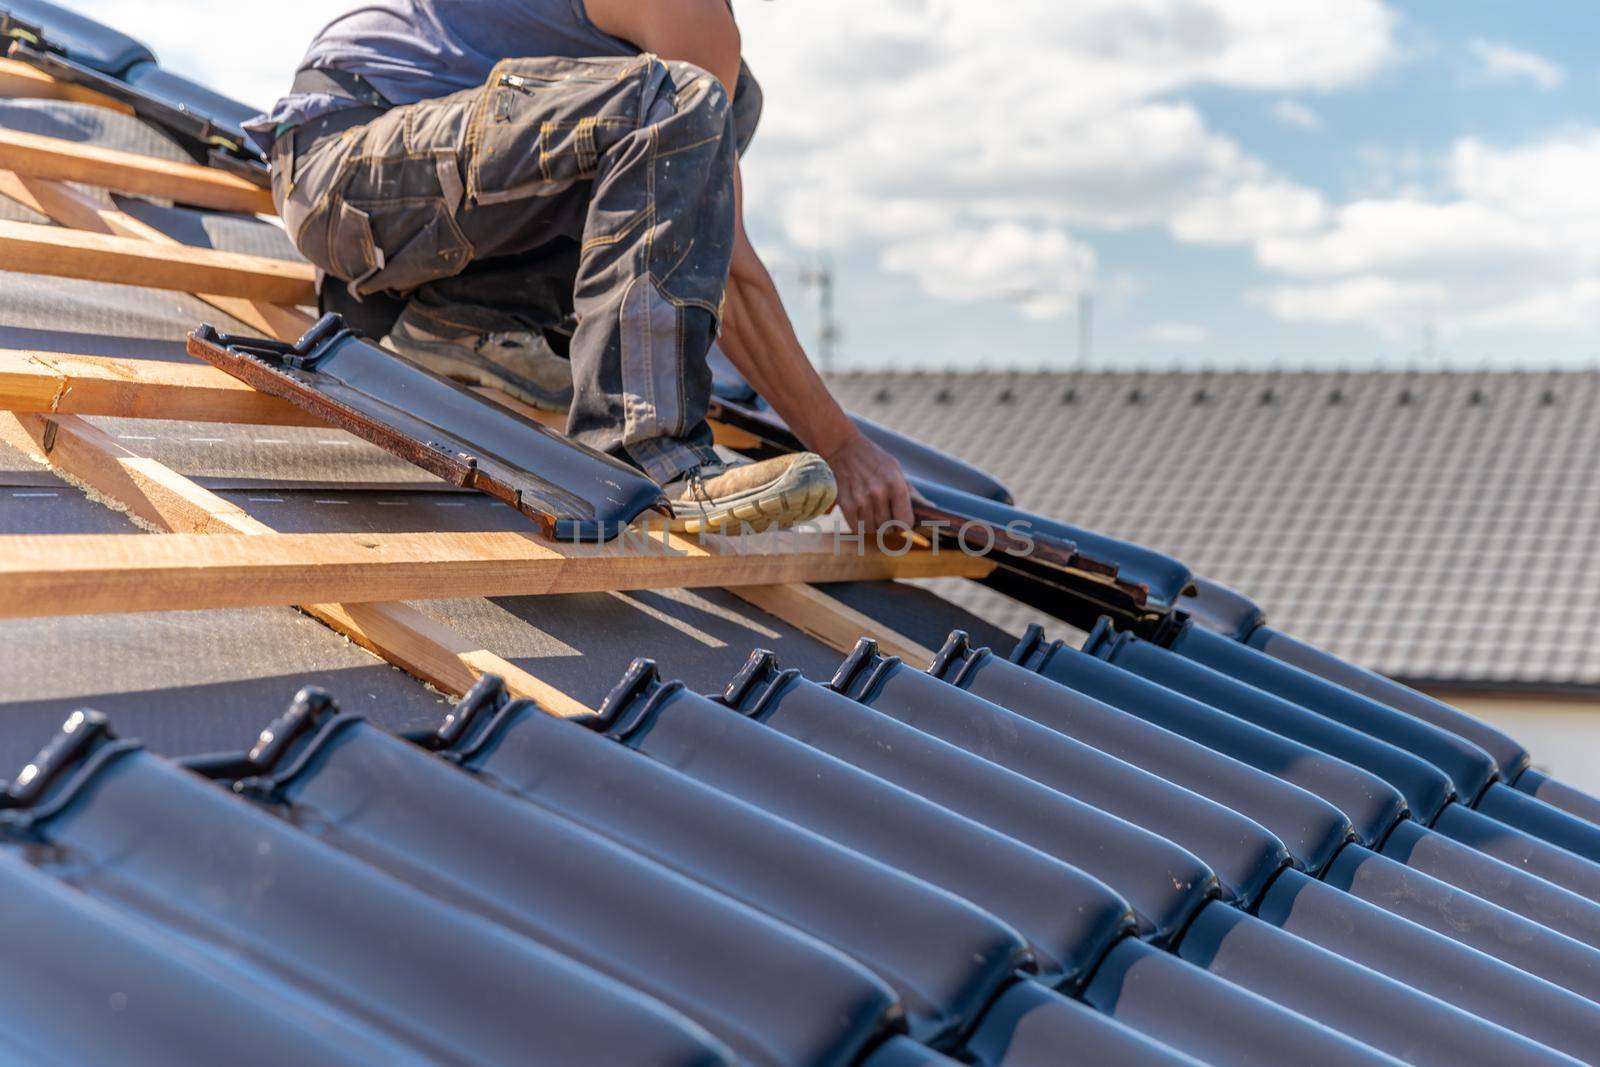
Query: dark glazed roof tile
[[943, 956], [211, 869], [1243, 854], [81, 983], [1022, 885], [1311, 828], [772, 995]]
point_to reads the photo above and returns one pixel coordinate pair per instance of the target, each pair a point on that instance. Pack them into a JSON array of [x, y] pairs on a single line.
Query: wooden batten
[[77, 210], [19, 81], [63, 253], [157, 496], [433, 651], [61, 383], [43, 575], [34, 156]]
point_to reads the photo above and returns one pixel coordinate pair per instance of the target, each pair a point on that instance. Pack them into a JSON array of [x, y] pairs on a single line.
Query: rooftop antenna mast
[[819, 276], [1085, 330]]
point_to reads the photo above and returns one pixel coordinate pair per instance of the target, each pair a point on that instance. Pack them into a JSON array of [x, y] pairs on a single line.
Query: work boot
[[730, 497], [521, 365]]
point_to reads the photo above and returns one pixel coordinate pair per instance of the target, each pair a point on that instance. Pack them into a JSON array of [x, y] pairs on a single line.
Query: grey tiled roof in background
[[1432, 526]]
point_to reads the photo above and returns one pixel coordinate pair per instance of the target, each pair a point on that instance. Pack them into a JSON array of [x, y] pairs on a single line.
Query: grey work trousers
[[598, 191]]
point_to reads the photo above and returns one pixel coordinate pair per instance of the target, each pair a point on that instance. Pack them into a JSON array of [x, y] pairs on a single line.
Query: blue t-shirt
[[412, 50]]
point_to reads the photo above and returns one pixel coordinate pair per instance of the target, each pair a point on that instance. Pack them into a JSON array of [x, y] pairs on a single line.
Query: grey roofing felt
[[188, 682], [33, 302], [1438, 526], [88, 124]]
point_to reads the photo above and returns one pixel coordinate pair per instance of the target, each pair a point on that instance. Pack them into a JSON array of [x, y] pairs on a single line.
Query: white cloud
[[829, 220], [901, 127], [1561, 308], [1297, 115], [1387, 171], [1499, 62], [1177, 333], [1373, 235], [1041, 271], [1512, 241], [1548, 183], [1390, 307], [1256, 209]]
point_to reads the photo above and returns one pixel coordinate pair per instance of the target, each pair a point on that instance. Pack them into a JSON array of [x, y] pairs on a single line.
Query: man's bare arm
[[757, 333]]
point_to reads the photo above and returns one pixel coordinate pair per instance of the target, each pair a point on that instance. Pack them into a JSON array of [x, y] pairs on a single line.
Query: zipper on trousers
[[524, 85]]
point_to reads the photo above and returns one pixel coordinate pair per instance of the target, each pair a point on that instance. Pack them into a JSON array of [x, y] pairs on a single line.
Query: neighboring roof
[[1167, 848], [1439, 527]]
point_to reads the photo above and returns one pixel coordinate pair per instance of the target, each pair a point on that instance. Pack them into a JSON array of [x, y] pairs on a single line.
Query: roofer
[[534, 177]]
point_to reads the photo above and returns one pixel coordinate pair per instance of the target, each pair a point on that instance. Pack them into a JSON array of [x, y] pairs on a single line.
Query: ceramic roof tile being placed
[[1422, 524]]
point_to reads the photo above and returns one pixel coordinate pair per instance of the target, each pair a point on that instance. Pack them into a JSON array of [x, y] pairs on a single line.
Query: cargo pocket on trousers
[[542, 124], [353, 255], [415, 241]]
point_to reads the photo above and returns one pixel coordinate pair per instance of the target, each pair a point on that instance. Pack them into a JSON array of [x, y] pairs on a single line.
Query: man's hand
[[872, 487]]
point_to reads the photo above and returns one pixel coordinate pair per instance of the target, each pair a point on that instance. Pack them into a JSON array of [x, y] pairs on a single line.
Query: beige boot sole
[[805, 491]]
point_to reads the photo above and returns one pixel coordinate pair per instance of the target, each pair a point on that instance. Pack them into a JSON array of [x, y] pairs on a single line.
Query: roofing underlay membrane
[[1173, 845]]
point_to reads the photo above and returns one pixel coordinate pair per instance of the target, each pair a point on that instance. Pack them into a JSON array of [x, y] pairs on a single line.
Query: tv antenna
[[818, 275]]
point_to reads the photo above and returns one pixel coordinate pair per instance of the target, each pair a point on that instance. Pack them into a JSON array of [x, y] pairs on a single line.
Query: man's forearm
[[760, 340]]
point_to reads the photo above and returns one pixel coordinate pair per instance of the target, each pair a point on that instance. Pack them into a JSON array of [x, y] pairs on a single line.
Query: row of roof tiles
[[1363, 526], [996, 860], [1206, 387], [1138, 395]]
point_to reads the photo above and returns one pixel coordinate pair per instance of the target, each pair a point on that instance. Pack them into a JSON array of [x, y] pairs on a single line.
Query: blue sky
[[1235, 182], [1384, 126], [1397, 128]]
